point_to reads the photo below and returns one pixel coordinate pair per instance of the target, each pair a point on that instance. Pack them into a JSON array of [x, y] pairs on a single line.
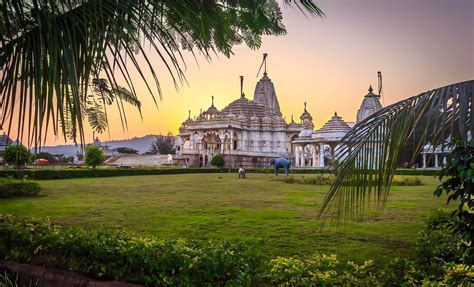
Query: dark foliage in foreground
[[117, 255]]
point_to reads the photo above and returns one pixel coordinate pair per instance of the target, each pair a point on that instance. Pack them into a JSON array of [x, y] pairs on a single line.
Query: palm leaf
[[50, 51], [369, 153]]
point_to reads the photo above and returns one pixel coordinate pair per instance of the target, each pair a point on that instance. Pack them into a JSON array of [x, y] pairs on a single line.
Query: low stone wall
[[30, 275]]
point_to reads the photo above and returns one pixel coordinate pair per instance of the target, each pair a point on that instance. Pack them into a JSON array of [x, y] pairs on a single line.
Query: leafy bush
[[317, 180], [329, 180], [117, 255], [94, 156], [217, 161], [320, 271], [17, 155], [13, 188], [407, 181], [459, 186], [437, 244], [120, 256]]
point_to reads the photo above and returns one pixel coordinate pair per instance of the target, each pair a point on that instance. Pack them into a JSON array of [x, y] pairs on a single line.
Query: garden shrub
[[329, 180], [217, 161], [116, 255], [13, 188], [437, 245], [320, 271], [407, 181], [457, 178]]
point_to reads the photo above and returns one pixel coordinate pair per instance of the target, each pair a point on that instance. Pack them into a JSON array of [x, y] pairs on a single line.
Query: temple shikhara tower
[[248, 132]]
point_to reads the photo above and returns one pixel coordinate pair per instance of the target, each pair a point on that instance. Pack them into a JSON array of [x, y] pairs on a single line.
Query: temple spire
[[189, 114], [212, 101], [242, 95], [305, 107], [371, 89]]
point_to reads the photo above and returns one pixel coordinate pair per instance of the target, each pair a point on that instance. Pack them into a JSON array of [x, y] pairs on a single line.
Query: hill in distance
[[142, 144]]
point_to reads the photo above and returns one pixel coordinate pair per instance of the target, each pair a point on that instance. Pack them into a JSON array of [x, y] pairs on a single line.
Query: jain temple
[[249, 131]]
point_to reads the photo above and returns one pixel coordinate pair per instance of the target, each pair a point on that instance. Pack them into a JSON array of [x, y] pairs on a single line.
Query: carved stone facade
[[249, 132], [246, 132]]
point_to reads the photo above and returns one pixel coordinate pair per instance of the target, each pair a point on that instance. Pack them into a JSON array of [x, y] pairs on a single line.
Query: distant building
[[249, 129], [315, 148], [242, 130]]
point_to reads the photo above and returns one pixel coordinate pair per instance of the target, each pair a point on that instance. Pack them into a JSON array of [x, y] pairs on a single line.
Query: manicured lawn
[[274, 217]]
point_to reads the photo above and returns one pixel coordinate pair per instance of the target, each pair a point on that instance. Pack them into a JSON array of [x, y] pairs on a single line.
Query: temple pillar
[[297, 156], [436, 162], [424, 160], [303, 162], [315, 156], [321, 155]]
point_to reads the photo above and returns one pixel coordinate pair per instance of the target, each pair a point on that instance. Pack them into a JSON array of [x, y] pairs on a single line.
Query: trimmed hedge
[[65, 173], [329, 180], [14, 188]]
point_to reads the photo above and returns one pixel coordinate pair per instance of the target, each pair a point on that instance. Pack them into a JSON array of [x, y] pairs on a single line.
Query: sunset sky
[[329, 63]]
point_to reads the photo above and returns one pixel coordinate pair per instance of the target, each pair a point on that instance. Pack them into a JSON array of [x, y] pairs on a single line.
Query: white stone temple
[[248, 132]]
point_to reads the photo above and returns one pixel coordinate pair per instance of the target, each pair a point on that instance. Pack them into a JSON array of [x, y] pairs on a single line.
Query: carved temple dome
[[370, 105], [334, 129], [212, 110], [243, 106]]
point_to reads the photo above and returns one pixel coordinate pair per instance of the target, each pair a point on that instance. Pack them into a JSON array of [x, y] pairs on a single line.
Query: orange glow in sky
[[329, 63]]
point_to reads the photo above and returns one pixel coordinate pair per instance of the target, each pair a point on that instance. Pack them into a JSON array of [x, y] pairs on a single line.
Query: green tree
[[59, 50], [94, 156], [217, 161], [163, 144], [17, 155]]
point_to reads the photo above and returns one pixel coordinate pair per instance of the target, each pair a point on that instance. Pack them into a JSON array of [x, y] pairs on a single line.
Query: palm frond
[[50, 51], [96, 115], [369, 153]]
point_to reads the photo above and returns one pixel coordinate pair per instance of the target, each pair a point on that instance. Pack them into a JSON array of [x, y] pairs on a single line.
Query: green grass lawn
[[274, 217]]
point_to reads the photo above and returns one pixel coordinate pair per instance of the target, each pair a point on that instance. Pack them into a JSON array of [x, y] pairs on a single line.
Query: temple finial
[[370, 89], [335, 114], [189, 114], [305, 107], [264, 65], [292, 118], [212, 100], [242, 87], [265, 62]]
